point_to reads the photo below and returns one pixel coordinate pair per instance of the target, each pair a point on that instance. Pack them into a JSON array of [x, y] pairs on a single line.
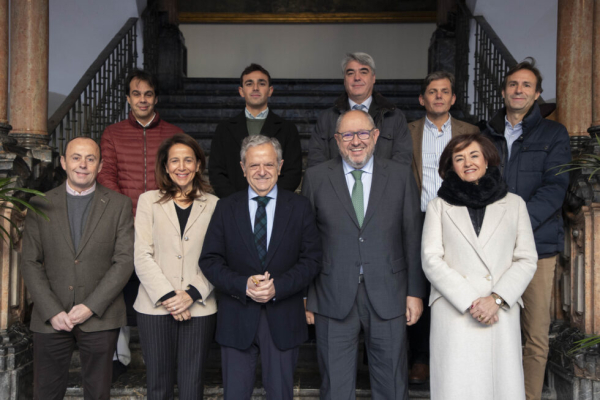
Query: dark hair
[[163, 180], [437, 75], [460, 143], [142, 76], [528, 64], [252, 68], [83, 137]]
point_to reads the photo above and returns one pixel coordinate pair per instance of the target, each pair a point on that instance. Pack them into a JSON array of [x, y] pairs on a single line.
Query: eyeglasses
[[362, 135]]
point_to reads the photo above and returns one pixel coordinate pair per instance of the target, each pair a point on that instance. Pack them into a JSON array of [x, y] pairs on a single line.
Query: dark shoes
[[118, 370], [419, 374]]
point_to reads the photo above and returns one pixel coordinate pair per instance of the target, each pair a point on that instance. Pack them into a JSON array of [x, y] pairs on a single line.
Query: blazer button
[[76, 261], [186, 238], [70, 287], [361, 239], [179, 256]]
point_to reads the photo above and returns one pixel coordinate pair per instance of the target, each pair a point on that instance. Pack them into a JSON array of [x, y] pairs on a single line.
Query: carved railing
[[98, 100]]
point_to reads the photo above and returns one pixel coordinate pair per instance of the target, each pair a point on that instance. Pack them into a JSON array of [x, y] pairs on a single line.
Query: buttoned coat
[[416, 129], [470, 360], [58, 276], [387, 245], [164, 260]]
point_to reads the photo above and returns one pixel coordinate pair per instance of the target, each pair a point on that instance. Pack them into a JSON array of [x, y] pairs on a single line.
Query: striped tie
[[360, 107], [260, 227], [357, 196]]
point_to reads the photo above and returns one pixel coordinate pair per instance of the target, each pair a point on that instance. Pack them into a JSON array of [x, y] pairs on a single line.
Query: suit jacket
[[387, 245], [164, 260], [229, 258], [59, 276], [224, 170], [416, 131]]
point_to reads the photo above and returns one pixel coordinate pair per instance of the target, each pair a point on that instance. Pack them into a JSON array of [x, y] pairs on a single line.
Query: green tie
[[357, 196]]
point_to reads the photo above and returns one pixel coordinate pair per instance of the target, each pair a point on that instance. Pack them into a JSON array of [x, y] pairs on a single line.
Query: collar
[[85, 192], [431, 125], [507, 123], [261, 115], [366, 103], [136, 124], [272, 194], [368, 168]]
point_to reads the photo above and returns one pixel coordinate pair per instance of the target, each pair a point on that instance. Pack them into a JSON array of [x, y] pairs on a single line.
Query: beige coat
[[470, 360], [164, 261]]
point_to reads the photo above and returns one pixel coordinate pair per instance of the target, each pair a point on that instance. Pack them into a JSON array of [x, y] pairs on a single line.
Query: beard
[[360, 163]]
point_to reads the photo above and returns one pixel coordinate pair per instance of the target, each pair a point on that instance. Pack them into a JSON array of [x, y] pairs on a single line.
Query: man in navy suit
[[261, 251]]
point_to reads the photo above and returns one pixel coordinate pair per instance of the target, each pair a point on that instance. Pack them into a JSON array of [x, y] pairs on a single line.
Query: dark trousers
[[175, 350], [239, 367], [418, 335], [337, 352], [52, 356]]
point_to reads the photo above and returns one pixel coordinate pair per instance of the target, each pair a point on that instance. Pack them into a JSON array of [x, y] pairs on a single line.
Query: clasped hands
[[179, 305], [260, 288], [485, 310], [66, 322]]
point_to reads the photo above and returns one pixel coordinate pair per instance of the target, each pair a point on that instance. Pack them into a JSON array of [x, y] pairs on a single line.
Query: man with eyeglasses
[[368, 215], [359, 78]]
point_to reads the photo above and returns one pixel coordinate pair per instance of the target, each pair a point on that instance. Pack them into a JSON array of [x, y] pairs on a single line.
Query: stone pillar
[[3, 68], [595, 128], [574, 66], [29, 73]]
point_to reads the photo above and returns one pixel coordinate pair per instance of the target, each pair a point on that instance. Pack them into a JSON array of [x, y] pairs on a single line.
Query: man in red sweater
[[129, 152]]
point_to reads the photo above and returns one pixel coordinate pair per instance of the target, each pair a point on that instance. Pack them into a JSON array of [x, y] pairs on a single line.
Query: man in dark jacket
[[226, 176], [529, 147], [359, 78]]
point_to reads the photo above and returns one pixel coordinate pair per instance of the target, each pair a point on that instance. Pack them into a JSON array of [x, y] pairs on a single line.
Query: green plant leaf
[[29, 206]]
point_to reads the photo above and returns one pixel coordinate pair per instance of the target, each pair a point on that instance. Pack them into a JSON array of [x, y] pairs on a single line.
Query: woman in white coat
[[176, 305], [479, 254]]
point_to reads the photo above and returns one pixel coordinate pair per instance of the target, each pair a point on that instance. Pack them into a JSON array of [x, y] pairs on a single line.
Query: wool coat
[[470, 360]]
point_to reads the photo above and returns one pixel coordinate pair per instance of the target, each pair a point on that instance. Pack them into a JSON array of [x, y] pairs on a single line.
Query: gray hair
[[257, 140], [361, 58], [342, 115]]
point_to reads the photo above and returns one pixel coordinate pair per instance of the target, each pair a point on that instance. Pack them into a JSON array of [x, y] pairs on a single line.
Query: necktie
[[359, 107], [357, 196], [260, 227]]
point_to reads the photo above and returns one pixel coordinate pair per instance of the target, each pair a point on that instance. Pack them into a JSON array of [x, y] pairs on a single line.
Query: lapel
[[242, 219], [456, 127], [283, 211], [168, 208], [198, 208], [238, 127], [460, 217], [493, 216], [272, 125], [378, 184], [338, 181], [59, 203], [416, 132], [99, 203]]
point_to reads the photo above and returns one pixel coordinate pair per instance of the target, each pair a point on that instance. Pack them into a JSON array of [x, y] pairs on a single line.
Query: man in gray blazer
[[368, 215], [75, 267]]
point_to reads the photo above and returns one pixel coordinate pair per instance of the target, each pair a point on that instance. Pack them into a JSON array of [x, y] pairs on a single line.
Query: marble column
[[595, 127], [4, 126], [574, 66], [29, 72]]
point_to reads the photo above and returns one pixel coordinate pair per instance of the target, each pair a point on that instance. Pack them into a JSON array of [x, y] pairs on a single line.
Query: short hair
[[528, 64], [460, 143], [83, 137], [253, 68], [167, 187], [435, 76], [142, 75], [361, 58], [341, 117], [258, 140]]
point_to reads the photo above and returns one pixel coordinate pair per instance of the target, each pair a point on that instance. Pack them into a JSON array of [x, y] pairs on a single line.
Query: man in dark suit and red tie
[[261, 251]]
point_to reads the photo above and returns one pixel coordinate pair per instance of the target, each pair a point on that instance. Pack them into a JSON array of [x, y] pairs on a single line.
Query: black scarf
[[491, 187]]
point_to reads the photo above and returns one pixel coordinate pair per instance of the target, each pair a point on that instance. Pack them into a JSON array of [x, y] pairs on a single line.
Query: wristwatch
[[499, 300]]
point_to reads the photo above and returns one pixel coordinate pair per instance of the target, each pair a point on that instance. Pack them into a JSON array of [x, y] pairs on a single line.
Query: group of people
[[389, 214]]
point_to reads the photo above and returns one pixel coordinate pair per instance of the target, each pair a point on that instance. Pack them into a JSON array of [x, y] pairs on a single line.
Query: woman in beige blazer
[[479, 254], [176, 305]]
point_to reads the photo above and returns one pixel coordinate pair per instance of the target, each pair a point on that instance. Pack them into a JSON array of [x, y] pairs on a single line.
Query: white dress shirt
[[434, 143]]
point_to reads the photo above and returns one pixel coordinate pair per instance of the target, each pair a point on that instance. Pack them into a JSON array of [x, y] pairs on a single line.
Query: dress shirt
[[512, 133], [270, 209], [434, 142], [85, 192], [261, 115], [366, 103]]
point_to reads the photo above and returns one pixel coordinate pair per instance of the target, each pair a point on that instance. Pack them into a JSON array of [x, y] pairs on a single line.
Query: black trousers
[[52, 356], [239, 367], [175, 351]]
